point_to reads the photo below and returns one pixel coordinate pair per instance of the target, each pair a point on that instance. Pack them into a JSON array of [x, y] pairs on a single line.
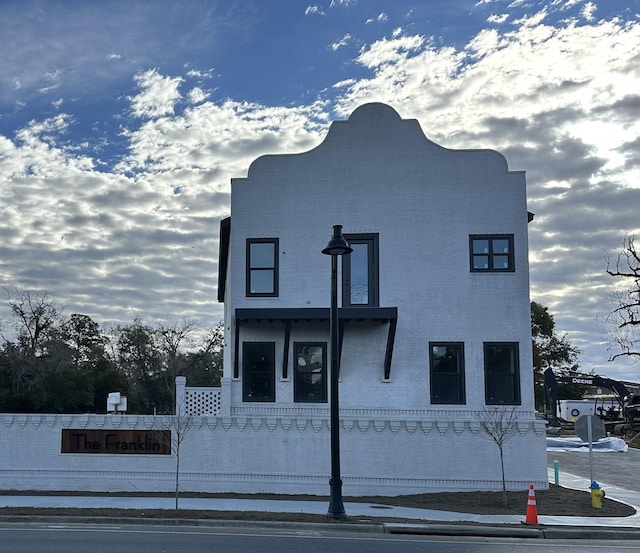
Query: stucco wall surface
[[383, 453]]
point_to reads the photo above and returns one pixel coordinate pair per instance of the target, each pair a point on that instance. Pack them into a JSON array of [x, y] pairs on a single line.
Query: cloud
[[158, 94], [390, 51], [123, 243], [588, 10], [484, 43], [106, 244], [532, 20], [200, 74], [498, 18], [56, 47], [567, 4], [314, 10], [631, 151], [344, 41], [197, 95], [379, 19], [345, 3], [210, 136]]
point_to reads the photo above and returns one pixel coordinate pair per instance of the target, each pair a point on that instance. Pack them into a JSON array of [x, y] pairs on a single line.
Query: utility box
[[116, 403], [571, 409]]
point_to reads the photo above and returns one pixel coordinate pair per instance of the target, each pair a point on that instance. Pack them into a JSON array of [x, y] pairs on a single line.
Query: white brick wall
[[377, 173], [383, 452]]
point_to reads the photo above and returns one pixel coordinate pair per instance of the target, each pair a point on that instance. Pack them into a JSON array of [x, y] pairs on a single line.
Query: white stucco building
[[435, 331], [435, 312]]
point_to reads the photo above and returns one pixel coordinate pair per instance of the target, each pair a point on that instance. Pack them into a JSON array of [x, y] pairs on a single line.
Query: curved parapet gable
[[378, 128]]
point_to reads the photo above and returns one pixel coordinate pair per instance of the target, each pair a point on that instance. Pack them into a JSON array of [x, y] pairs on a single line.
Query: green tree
[[86, 343], [138, 357], [549, 351], [59, 387], [53, 364], [68, 360], [12, 400], [87, 346]]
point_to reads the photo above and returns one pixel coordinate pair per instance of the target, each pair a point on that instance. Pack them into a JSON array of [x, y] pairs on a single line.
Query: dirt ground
[[554, 501]]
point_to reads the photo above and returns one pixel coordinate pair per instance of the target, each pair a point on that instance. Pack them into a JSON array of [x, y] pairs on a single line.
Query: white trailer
[[571, 409]]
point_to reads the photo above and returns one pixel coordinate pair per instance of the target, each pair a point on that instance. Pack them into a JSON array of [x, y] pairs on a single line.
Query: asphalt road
[[41, 538], [610, 468]]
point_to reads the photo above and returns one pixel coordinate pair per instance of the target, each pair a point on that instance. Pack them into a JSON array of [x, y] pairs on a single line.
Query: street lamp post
[[336, 247]]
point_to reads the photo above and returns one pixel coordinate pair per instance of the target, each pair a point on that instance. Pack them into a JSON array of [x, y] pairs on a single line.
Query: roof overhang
[[289, 316]]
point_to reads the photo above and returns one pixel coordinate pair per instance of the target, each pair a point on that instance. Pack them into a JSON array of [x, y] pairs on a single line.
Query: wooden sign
[[117, 442]]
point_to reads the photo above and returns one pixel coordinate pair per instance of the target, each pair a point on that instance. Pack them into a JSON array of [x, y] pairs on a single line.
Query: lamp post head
[[337, 245]]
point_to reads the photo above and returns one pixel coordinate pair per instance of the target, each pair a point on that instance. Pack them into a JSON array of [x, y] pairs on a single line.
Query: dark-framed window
[[360, 271], [258, 371], [310, 372], [491, 253], [446, 362], [501, 373], [262, 267]]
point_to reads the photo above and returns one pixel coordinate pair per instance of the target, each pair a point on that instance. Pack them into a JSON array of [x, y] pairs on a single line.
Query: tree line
[[57, 364], [50, 363]]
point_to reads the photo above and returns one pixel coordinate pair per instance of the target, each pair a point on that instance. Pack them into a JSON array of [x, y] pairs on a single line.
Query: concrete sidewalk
[[630, 497], [354, 510], [427, 521]]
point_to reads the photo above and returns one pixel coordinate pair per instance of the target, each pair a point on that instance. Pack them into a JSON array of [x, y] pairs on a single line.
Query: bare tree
[[499, 425], [172, 337], [214, 339], [35, 312], [626, 313], [36, 316], [180, 425]]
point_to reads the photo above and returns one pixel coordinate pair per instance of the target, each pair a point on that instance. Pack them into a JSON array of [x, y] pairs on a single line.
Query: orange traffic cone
[[532, 510]]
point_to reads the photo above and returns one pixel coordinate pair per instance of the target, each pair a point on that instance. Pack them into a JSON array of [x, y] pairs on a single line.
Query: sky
[[122, 123]]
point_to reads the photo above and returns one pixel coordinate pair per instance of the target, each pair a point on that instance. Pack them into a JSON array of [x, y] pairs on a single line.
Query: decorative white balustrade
[[202, 401]]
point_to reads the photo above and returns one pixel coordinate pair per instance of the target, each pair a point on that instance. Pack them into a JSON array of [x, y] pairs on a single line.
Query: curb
[[464, 530], [198, 522], [479, 530], [535, 532]]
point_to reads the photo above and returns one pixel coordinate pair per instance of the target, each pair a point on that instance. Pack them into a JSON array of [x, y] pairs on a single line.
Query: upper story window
[[360, 271], [447, 372], [491, 253], [262, 267], [310, 376], [501, 373]]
